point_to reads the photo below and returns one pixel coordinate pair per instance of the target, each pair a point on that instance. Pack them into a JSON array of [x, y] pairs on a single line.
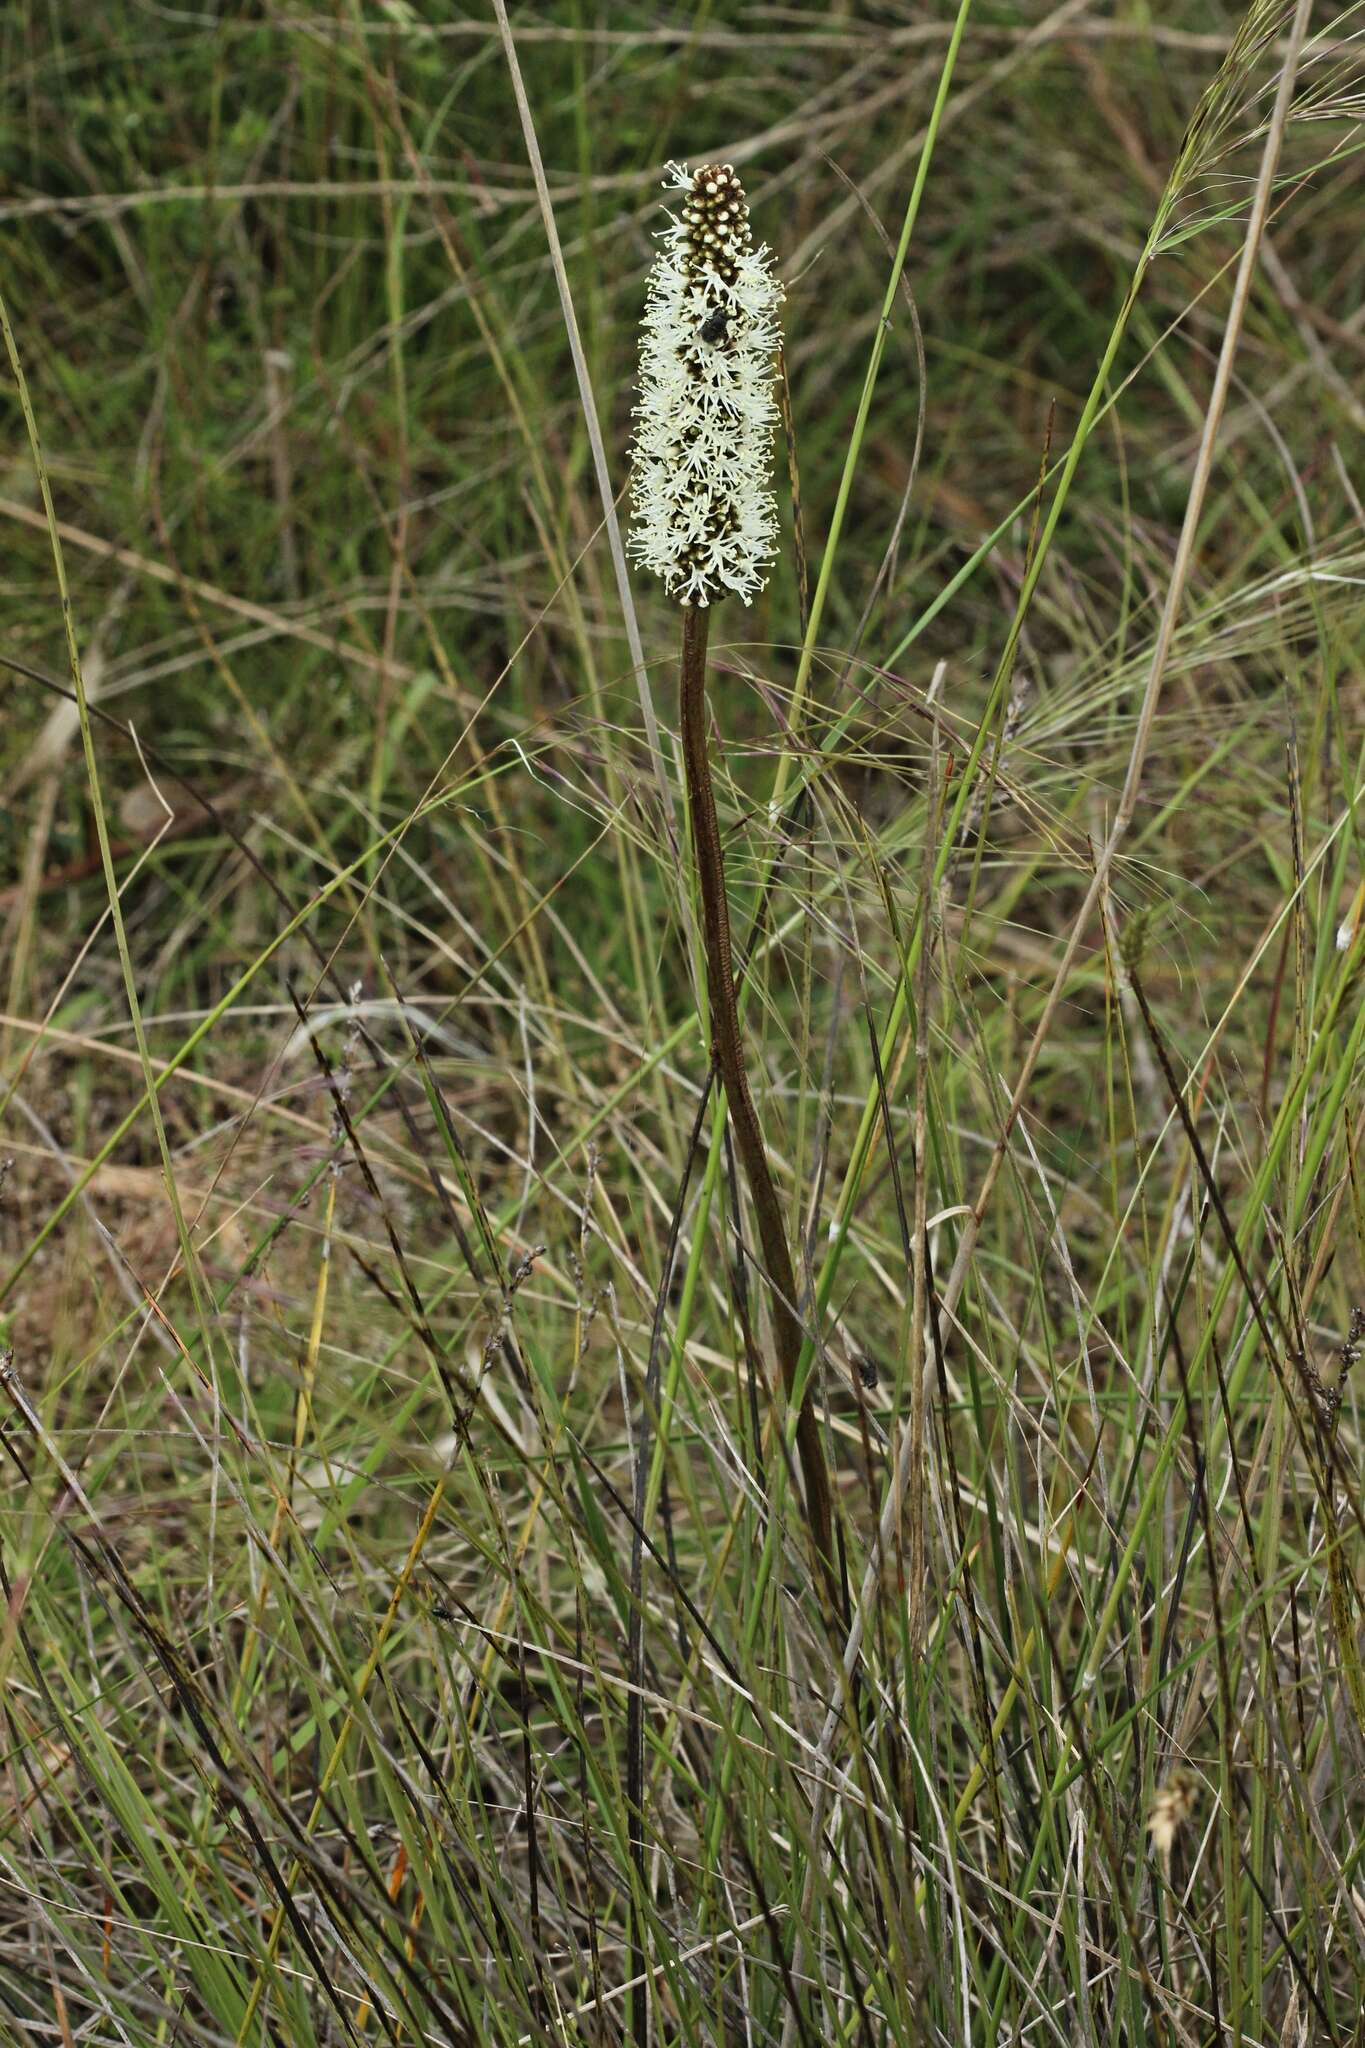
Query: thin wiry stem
[[590, 419], [729, 1057], [1128, 800], [1175, 597], [905, 1464]]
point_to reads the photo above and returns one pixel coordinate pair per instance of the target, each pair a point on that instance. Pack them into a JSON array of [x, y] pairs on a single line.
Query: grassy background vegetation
[[409, 1628]]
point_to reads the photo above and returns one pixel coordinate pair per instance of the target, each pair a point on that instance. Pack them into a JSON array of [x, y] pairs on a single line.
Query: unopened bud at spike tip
[[701, 461]]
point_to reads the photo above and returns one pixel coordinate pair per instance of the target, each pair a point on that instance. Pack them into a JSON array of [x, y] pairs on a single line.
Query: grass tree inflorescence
[[705, 515], [707, 524]]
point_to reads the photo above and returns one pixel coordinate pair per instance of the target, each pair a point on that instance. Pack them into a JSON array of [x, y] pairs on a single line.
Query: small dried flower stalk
[[705, 518]]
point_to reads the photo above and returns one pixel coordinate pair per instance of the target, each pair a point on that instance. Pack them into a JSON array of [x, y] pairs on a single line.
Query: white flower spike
[[705, 517]]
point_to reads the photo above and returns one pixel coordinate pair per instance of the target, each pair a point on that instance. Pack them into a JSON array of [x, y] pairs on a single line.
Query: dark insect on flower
[[716, 325]]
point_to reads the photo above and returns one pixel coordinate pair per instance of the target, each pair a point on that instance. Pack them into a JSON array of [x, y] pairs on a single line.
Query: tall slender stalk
[[728, 1051], [706, 524]]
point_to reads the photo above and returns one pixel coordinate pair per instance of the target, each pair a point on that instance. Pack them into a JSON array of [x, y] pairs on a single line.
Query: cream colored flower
[[1171, 1808], [705, 516]]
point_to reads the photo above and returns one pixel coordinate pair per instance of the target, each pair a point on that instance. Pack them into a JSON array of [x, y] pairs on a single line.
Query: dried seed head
[[705, 517]]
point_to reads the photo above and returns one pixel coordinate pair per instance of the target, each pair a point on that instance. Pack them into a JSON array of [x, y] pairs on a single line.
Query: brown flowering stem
[[729, 1057]]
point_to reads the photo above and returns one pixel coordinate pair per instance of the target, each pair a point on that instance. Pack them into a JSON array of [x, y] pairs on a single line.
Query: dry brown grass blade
[[211, 593]]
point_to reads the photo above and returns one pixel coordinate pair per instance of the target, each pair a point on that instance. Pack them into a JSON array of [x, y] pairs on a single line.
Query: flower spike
[[705, 517]]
